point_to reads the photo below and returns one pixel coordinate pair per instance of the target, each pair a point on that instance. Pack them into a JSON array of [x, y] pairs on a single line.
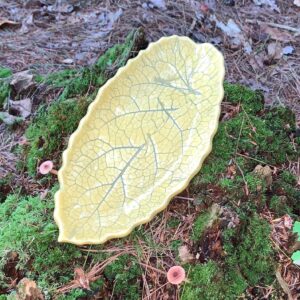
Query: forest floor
[[231, 229]]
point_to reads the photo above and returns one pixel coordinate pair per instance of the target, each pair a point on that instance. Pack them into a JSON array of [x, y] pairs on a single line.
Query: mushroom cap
[[176, 275], [46, 167], [23, 141]]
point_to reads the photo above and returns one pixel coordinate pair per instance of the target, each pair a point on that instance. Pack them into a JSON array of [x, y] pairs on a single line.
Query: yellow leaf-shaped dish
[[141, 142]]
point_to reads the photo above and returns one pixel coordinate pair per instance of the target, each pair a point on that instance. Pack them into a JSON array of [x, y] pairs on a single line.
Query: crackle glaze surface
[[141, 142]]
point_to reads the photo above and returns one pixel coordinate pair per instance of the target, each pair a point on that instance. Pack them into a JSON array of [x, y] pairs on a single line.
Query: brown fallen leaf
[[274, 51], [231, 171], [284, 285], [21, 108], [28, 290], [21, 82], [81, 278], [277, 34]]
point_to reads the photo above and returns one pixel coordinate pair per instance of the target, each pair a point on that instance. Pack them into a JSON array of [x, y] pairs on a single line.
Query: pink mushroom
[[176, 275], [23, 141], [47, 167]]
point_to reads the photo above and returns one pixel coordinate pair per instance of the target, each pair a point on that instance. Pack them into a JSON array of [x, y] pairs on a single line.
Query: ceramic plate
[[143, 139]]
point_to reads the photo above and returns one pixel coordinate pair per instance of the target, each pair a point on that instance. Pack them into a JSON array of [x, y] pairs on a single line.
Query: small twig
[[260, 161], [148, 297], [242, 173], [152, 268], [281, 26], [184, 198]]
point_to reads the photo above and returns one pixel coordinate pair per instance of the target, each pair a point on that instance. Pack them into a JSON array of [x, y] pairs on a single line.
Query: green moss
[[5, 72], [263, 135], [4, 85], [5, 186], [173, 222], [200, 225], [248, 262], [255, 183], [125, 274], [95, 287], [175, 244], [249, 249], [286, 186], [278, 204], [50, 129], [27, 228], [252, 101], [73, 295], [208, 282]]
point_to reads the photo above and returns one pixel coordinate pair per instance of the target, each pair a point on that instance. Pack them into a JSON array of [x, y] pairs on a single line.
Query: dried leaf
[[283, 284], [26, 23], [21, 81], [231, 29], [231, 171], [21, 108], [287, 221], [277, 34], [81, 278], [274, 51], [184, 254]]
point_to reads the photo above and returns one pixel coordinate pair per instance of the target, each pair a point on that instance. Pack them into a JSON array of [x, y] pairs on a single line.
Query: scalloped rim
[[169, 197]]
